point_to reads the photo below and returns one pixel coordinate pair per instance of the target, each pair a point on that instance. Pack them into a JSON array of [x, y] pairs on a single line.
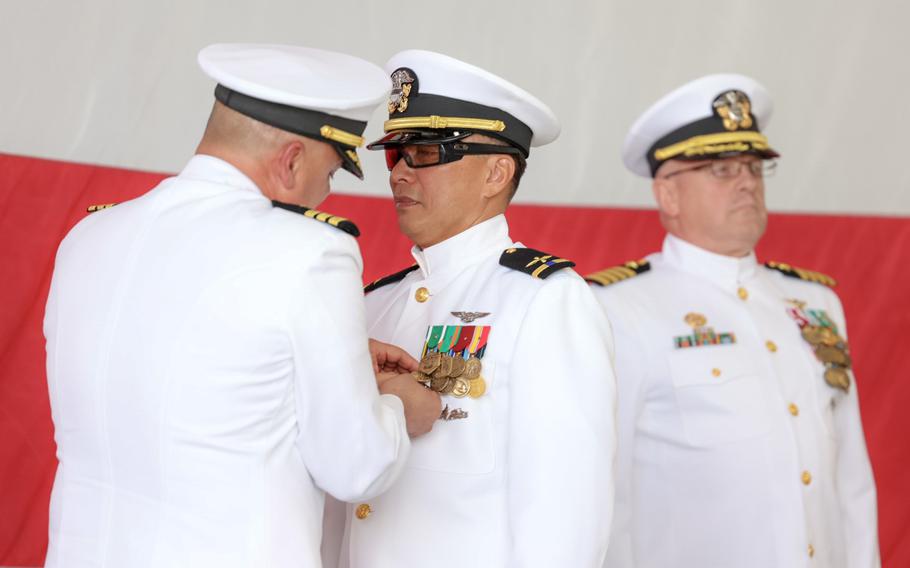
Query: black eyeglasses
[[728, 169], [427, 155]]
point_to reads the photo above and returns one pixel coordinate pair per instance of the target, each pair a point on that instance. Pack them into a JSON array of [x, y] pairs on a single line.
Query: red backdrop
[[42, 200]]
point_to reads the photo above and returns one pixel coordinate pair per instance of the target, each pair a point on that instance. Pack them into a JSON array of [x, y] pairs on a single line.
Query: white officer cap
[[319, 94], [716, 116], [435, 92]]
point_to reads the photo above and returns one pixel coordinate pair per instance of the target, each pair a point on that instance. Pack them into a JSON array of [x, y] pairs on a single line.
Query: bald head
[[284, 166], [228, 130]]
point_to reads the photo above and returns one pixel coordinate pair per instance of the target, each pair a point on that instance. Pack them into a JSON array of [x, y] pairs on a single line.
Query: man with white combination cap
[[740, 441], [517, 473], [208, 363]]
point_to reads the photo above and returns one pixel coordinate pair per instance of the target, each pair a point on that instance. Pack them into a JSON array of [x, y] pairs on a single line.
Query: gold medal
[[472, 368], [813, 334], [429, 363], [445, 367], [837, 377], [478, 387], [460, 387], [829, 337], [420, 377], [439, 384], [458, 365], [828, 354], [450, 386]]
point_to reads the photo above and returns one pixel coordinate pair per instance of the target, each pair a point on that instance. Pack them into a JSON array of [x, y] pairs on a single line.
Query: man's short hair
[[521, 163]]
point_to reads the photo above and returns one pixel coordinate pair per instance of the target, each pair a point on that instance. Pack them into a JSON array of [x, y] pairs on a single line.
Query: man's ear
[[288, 163], [666, 194], [500, 171]]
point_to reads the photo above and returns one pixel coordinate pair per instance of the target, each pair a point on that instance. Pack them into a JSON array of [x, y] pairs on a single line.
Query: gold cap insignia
[[735, 109], [403, 82]]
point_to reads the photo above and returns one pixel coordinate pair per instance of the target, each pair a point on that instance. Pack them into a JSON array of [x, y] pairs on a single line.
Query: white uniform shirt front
[[736, 454], [525, 478], [209, 377]]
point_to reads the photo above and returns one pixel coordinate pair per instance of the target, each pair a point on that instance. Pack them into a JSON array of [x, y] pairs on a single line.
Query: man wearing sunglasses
[[740, 441], [517, 472], [209, 371]]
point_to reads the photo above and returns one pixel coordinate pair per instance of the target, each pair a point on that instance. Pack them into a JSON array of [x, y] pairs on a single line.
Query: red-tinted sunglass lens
[[392, 155]]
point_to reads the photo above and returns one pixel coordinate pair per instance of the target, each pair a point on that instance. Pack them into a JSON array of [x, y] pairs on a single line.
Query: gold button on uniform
[[794, 410], [742, 293], [807, 478], [811, 551], [422, 295], [772, 347], [363, 511], [715, 372]]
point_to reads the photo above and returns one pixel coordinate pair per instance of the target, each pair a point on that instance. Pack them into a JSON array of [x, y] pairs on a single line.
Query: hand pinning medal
[[451, 357], [452, 375]]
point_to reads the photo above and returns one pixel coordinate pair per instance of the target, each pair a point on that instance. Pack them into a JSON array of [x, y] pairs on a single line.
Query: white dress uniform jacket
[[209, 377], [525, 478], [737, 454]]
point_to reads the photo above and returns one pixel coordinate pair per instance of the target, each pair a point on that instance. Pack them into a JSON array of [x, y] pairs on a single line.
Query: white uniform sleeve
[[354, 442], [562, 430], [855, 483], [630, 379]]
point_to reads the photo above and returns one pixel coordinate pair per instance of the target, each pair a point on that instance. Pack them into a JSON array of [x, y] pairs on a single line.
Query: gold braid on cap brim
[[338, 135], [434, 121], [714, 144]]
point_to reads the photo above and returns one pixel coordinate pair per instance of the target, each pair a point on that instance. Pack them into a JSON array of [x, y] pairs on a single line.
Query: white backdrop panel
[[115, 82]]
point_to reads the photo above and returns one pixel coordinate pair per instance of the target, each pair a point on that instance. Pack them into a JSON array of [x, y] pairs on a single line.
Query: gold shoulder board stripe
[[619, 273], [390, 279], [333, 220], [802, 273], [93, 208], [536, 263]]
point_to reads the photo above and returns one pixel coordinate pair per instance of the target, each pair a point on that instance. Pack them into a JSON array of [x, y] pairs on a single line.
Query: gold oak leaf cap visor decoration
[[716, 116], [437, 97]]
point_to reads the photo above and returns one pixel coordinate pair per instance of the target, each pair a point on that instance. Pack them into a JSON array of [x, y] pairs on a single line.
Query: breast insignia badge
[[454, 414], [468, 317]]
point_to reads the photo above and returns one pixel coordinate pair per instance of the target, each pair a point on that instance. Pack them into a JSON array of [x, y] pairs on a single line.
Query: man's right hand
[[422, 406]]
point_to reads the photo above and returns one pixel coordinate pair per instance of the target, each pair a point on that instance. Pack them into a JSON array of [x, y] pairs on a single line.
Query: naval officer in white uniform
[[518, 473], [207, 355], [740, 440]]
